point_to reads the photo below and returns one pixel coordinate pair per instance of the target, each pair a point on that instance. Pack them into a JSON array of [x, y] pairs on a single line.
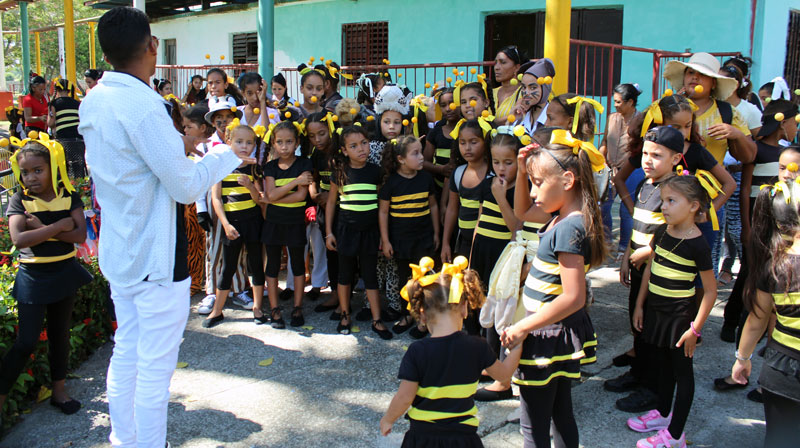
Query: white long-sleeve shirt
[[140, 171]]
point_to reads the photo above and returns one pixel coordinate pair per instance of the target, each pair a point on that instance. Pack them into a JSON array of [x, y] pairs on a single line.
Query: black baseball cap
[[768, 123], [666, 136]]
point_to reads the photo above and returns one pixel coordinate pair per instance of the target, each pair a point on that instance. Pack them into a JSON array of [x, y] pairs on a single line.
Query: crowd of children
[[493, 186]]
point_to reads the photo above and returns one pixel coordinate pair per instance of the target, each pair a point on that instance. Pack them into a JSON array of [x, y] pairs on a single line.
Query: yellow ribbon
[[455, 271], [260, 131], [301, 127], [781, 187], [580, 100], [713, 188], [484, 123], [331, 125], [482, 81], [652, 115], [456, 128], [457, 91], [418, 272], [562, 137], [693, 106], [235, 123], [268, 136], [419, 105], [171, 97], [58, 160]]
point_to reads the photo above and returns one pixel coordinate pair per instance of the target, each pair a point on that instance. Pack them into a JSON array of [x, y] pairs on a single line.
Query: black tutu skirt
[[429, 435], [352, 241], [249, 230], [485, 252], [289, 235], [557, 350], [46, 283], [413, 249], [665, 320]]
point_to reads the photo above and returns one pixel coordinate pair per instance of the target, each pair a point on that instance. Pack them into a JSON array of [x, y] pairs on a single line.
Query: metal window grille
[[365, 43], [245, 48], [791, 67]]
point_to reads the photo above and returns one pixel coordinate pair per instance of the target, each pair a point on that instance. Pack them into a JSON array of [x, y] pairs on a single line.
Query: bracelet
[[328, 236], [694, 331], [740, 357]]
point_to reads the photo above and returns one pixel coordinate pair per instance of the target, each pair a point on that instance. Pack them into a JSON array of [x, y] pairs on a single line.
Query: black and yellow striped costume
[[671, 303], [557, 350], [322, 168], [442, 144], [765, 170], [285, 221], [646, 214], [491, 233], [240, 208], [469, 201], [410, 221]]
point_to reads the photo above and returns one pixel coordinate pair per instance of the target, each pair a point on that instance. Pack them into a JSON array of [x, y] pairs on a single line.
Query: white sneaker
[[207, 304], [243, 300]]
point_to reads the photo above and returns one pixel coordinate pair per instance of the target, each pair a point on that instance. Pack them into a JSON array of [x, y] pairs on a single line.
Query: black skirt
[[665, 320], [463, 243], [428, 435], [249, 230], [351, 241], [46, 283], [413, 249], [289, 235], [485, 252]]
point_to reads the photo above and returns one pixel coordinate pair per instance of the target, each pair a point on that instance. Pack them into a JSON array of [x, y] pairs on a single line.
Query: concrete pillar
[[139, 4], [556, 40], [266, 41], [26, 45]]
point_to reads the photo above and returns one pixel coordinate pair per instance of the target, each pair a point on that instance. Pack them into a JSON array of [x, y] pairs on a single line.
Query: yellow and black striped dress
[[240, 209], [646, 214], [491, 233], [441, 156], [469, 201], [357, 221], [285, 221], [410, 222], [447, 370], [671, 303], [48, 272], [557, 350]]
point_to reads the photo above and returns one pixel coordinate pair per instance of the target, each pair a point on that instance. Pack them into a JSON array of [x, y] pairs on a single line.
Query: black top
[[442, 144], [646, 213], [766, 169], [447, 370], [469, 202], [322, 167], [409, 208], [491, 223], [236, 200], [67, 120], [676, 265], [293, 212], [330, 103], [358, 199], [48, 213]]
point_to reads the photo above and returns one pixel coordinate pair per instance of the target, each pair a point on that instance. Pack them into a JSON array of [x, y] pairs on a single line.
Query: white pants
[[319, 272], [151, 321]]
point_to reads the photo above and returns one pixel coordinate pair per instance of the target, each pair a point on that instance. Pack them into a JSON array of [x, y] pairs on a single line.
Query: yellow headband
[[455, 271], [301, 127], [580, 100], [562, 137], [58, 160], [517, 131], [419, 105], [484, 123], [329, 118]]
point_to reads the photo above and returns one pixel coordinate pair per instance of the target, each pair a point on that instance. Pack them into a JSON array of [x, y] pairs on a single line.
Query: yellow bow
[[418, 272], [652, 115], [457, 91], [580, 100], [334, 71], [456, 272], [482, 81], [437, 107], [692, 105], [301, 127], [260, 131], [562, 137], [171, 97], [454, 132], [486, 123], [58, 160], [419, 105], [268, 135], [331, 122], [781, 187], [235, 123], [713, 188]]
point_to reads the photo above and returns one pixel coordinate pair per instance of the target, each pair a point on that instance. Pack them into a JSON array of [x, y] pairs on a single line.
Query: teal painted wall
[[772, 18]]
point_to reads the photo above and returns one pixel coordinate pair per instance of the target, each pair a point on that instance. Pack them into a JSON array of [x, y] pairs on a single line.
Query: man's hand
[[190, 145]]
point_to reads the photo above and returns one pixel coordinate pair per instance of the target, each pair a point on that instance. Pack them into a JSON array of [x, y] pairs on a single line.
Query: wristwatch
[[740, 357]]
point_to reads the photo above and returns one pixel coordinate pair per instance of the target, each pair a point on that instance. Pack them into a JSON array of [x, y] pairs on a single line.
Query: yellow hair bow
[[268, 135], [713, 188], [486, 123], [301, 127], [652, 115], [456, 272], [419, 105], [171, 97], [779, 187], [58, 160], [562, 137], [456, 128], [418, 272], [331, 122], [233, 124], [694, 107], [260, 131], [580, 100], [333, 71], [457, 91]]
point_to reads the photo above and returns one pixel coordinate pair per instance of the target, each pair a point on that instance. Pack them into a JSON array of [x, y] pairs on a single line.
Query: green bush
[[91, 327]]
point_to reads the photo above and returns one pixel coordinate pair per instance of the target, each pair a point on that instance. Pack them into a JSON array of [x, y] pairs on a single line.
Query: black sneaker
[[640, 401], [416, 333], [313, 294], [728, 333], [364, 315], [622, 383], [297, 319], [286, 294], [277, 323]]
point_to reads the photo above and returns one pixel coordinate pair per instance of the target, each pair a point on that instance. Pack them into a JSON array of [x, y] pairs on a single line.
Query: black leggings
[[641, 365], [540, 405], [368, 264], [296, 257], [230, 261], [735, 306], [333, 268], [781, 415], [31, 318], [675, 369]]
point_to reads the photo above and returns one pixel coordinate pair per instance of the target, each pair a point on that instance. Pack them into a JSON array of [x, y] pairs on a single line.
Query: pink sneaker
[[652, 421], [662, 439]]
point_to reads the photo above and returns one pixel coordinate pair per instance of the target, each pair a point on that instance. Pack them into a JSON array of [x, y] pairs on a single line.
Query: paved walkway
[[325, 389]]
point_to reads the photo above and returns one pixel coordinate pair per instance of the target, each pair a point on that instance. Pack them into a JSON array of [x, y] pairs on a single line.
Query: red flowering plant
[[91, 323]]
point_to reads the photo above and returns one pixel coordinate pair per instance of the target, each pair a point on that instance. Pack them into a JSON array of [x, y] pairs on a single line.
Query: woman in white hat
[[721, 126]]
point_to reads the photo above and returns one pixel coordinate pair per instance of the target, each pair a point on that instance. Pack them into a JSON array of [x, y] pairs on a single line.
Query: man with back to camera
[[142, 175]]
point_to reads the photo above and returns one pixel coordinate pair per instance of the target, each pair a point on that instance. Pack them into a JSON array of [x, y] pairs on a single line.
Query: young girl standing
[[673, 322], [773, 287], [255, 94], [286, 181], [312, 89], [235, 202], [557, 332], [45, 222], [473, 101], [439, 375], [408, 213], [218, 86], [439, 142], [354, 191]]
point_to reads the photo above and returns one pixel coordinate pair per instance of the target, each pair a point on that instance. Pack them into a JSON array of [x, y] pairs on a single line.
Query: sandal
[[416, 333], [384, 334], [277, 323], [68, 407], [344, 328], [297, 317], [403, 324], [260, 320]]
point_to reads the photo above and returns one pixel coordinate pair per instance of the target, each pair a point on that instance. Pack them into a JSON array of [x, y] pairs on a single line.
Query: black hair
[[516, 55], [768, 87], [340, 162], [124, 33], [586, 117], [395, 148], [249, 78], [231, 90], [744, 87], [317, 117], [159, 84], [363, 95], [309, 73], [377, 132], [290, 126], [36, 80], [195, 76], [690, 188], [506, 140], [743, 63], [192, 91], [36, 149], [333, 79], [455, 152], [93, 73], [197, 115], [478, 87], [63, 85], [628, 92]]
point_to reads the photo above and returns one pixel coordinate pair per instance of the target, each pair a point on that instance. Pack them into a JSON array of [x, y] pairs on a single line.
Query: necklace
[[639, 196], [686, 235]]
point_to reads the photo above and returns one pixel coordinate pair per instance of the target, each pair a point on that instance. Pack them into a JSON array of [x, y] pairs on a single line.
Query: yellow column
[[92, 62], [556, 40], [38, 53], [69, 40]]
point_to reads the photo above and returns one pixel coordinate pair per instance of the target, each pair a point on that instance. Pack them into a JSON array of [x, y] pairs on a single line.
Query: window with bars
[[245, 48], [791, 67], [365, 43]]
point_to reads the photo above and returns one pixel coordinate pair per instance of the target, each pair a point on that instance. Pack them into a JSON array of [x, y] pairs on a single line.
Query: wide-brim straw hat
[[705, 64]]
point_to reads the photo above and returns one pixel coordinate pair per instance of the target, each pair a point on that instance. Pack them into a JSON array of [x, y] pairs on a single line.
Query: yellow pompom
[[473, 70], [792, 167], [767, 99], [511, 118], [271, 116], [321, 58], [313, 99], [427, 85], [461, 73], [208, 56], [388, 62], [698, 88], [405, 122], [256, 111], [779, 116], [4, 142], [353, 111], [485, 114], [311, 59], [426, 263], [473, 103], [461, 261], [399, 75], [525, 139], [328, 62], [296, 104], [222, 57], [797, 118], [679, 168], [548, 79], [334, 118], [288, 115], [234, 109], [797, 92], [435, 86], [449, 79], [668, 92], [540, 80], [514, 81], [455, 71], [453, 106], [519, 130], [333, 70], [33, 135], [414, 119], [370, 118]]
